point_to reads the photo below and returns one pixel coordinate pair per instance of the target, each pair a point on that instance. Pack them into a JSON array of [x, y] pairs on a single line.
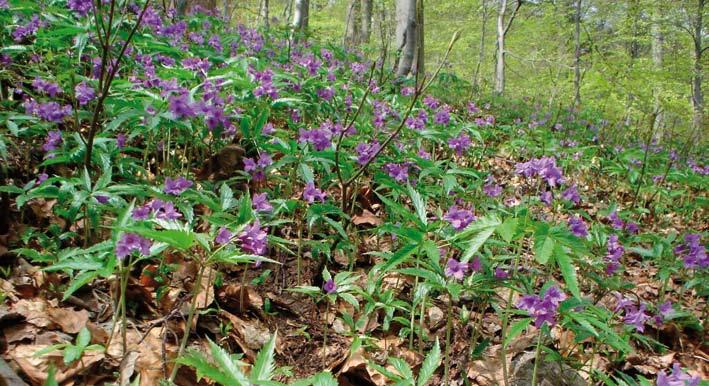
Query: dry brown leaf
[[230, 297], [368, 218], [205, 296], [20, 332], [69, 320], [149, 363], [127, 368], [34, 311], [37, 368]]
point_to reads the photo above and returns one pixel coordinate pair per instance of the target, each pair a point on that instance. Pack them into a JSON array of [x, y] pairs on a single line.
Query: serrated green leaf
[[568, 271], [516, 329], [264, 365], [430, 364]]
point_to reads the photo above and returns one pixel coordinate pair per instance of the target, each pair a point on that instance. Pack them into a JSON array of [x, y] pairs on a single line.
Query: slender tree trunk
[[500, 65], [481, 52], [577, 56], [658, 41], [406, 31], [301, 12], [352, 28], [697, 94], [264, 13], [366, 31], [420, 62]]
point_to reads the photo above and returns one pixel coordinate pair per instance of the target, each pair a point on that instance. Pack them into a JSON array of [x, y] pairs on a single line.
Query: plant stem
[[190, 317], [327, 312], [449, 325], [536, 358]]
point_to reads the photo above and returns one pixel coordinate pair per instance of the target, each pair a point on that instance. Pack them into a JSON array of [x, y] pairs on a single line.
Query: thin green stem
[[190, 319], [536, 358], [449, 325]]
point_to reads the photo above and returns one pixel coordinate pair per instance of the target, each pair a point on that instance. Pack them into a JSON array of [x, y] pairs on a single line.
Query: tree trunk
[[406, 32], [366, 30], [500, 65], [577, 56], [352, 28], [481, 52], [301, 10], [697, 94], [263, 13], [658, 41], [420, 67]]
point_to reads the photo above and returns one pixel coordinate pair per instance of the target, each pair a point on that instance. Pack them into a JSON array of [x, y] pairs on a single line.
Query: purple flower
[[24, 31], [257, 169], [621, 302], [50, 111], [544, 167], [664, 312], [442, 117], [431, 102], [80, 7], [176, 186], [41, 178], [223, 236], [616, 222], [102, 199], [53, 140], [142, 212], [543, 308], [320, 138], [571, 194], [260, 203], [46, 87], [121, 140], [329, 287], [180, 106], [460, 143], [253, 239], [677, 378], [456, 269], [578, 226], [399, 172], [546, 197], [501, 273], [311, 193], [84, 93], [4, 4], [130, 242], [615, 252], [365, 151], [692, 252], [165, 210], [459, 217], [268, 129], [632, 228], [636, 317], [476, 265], [492, 189]]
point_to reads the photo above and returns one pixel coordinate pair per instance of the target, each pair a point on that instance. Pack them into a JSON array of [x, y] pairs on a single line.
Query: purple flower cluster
[[130, 242], [161, 209], [417, 122], [50, 111], [223, 236], [4, 4], [365, 151], [24, 31], [180, 106], [571, 194], [320, 138], [46, 87], [330, 287], [397, 171], [677, 378], [265, 84], [456, 269], [196, 64], [635, 315], [616, 221], [578, 226], [443, 116], [543, 308], [257, 169], [176, 186], [488, 120], [311, 193], [459, 217], [260, 203], [53, 140], [692, 252], [544, 167], [615, 252], [253, 239], [80, 7], [546, 197], [431, 102], [491, 189], [84, 93], [460, 144]]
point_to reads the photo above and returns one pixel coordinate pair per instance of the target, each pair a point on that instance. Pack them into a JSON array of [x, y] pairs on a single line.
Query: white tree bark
[[352, 26], [577, 55], [502, 29], [301, 10], [658, 41], [481, 52], [264, 13], [366, 30], [406, 35], [697, 93]]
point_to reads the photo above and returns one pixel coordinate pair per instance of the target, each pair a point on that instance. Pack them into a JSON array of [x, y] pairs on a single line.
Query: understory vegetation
[[188, 202]]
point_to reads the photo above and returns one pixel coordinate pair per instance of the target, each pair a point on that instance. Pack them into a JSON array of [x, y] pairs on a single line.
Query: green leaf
[[226, 196], [568, 271], [51, 376], [543, 244], [516, 329], [264, 365], [228, 366], [324, 378], [84, 338], [507, 229], [401, 367], [398, 257], [430, 364], [476, 242], [180, 239], [419, 203]]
